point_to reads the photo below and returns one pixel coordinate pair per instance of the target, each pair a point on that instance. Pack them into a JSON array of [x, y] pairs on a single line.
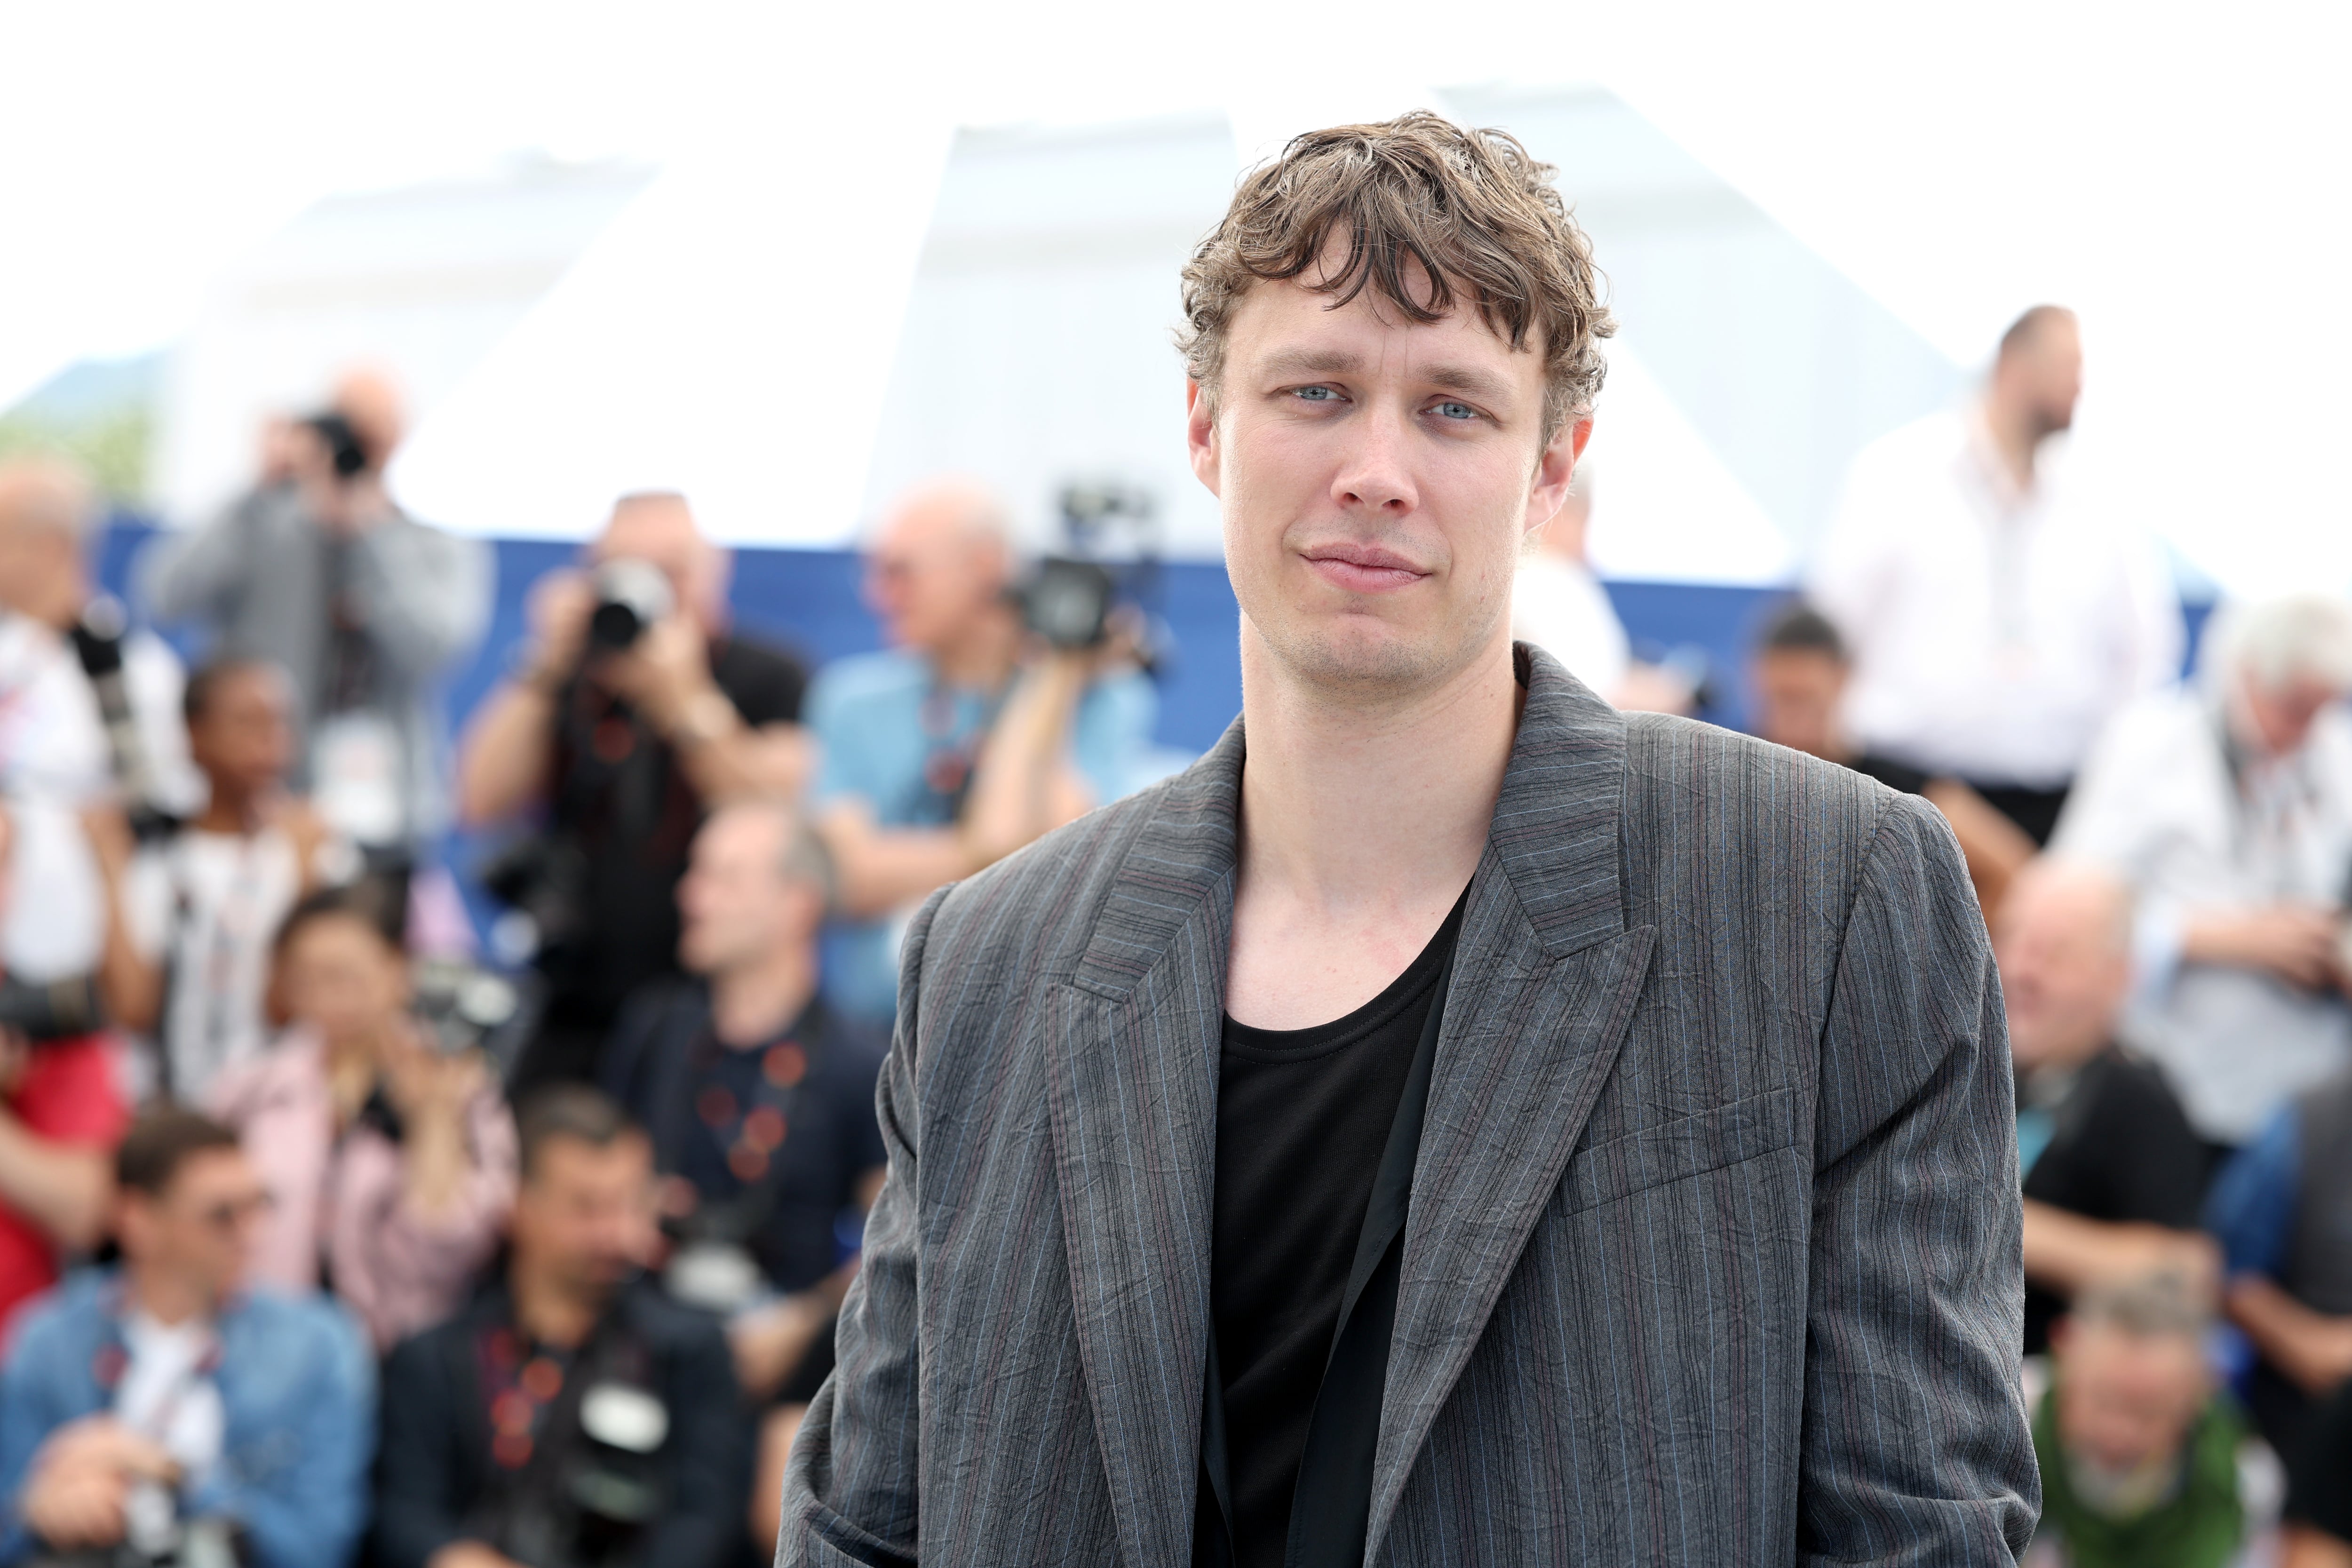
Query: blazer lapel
[[1546, 976], [1132, 1043]]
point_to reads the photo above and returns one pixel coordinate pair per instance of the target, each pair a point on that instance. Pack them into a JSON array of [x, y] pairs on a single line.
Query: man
[[192, 915], [143, 1406], [2282, 1209], [1995, 626], [954, 747], [1560, 606], [2114, 1177], [60, 750], [574, 1416], [2227, 809], [2139, 1451], [1800, 671], [61, 1113], [364, 606], [1454, 1120], [625, 742], [760, 1105]]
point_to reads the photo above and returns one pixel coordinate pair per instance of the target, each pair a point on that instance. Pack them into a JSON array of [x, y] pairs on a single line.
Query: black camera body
[[345, 451], [631, 595], [1067, 599]]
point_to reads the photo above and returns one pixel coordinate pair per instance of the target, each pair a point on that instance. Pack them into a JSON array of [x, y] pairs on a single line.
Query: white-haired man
[[2228, 807]]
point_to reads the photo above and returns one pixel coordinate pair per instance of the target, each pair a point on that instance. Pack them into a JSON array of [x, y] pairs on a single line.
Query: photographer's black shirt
[[1303, 1117], [618, 791]]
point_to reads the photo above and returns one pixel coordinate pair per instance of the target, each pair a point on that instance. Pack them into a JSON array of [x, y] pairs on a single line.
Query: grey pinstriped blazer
[[1713, 1248]]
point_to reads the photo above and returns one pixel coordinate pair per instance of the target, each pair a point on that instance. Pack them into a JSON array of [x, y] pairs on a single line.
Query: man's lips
[[1362, 568]]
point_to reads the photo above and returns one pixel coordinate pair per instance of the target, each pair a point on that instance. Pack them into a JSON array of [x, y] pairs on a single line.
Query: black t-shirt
[[705, 1104], [615, 789], [1895, 776], [2319, 1472], [2119, 1150], [1303, 1116]]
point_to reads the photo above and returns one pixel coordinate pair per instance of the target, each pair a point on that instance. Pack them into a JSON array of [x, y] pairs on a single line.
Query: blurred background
[[531, 535]]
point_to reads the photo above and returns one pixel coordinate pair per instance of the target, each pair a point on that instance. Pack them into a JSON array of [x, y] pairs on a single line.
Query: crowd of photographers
[[397, 1256], [320, 1240]]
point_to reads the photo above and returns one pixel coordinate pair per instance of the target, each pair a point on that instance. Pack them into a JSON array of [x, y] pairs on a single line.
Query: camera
[[631, 595], [98, 639], [1068, 597], [42, 1010], [466, 1007], [345, 451]]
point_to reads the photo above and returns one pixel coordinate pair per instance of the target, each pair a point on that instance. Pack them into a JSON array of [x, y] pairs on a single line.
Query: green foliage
[[112, 446]]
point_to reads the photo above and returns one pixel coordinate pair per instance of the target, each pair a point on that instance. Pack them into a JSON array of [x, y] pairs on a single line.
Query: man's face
[[201, 1228], [1797, 695], [244, 736], [42, 575], [2050, 368], [2125, 1399], [587, 1216], [1377, 478], [2063, 969], [736, 904], [930, 576], [2281, 716], [661, 531]]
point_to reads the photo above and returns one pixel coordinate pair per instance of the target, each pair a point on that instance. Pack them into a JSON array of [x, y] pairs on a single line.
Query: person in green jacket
[[2138, 1446]]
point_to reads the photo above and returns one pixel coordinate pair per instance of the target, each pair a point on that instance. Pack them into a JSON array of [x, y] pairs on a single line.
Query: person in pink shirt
[[389, 1165]]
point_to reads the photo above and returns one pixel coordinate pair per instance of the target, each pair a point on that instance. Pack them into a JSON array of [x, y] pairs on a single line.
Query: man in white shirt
[[1995, 626], [2228, 809], [55, 754], [1560, 606]]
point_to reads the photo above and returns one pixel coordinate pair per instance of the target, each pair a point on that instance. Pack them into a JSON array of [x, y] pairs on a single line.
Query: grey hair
[[2274, 642]]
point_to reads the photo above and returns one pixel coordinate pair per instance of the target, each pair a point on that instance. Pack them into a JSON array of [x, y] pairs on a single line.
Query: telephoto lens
[[631, 595]]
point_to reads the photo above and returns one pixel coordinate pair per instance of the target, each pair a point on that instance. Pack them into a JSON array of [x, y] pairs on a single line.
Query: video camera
[[1068, 598]]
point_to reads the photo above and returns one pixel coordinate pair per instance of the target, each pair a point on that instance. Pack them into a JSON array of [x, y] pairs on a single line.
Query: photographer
[[190, 915], [574, 1416], [633, 711], [149, 1414], [390, 1164], [68, 740], [60, 1114], [324, 576], [759, 1102], [959, 745]]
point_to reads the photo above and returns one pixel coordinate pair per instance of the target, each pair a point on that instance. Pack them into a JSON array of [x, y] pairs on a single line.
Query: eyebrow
[[1468, 380]]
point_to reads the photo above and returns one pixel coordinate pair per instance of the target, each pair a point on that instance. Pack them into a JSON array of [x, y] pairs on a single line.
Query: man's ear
[[1554, 469], [1201, 435]]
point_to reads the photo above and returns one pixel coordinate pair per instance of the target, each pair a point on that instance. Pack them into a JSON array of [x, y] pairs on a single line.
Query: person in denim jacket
[[141, 1405]]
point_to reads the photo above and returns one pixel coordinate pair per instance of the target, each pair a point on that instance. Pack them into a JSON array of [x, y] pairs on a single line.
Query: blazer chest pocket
[[1678, 1150]]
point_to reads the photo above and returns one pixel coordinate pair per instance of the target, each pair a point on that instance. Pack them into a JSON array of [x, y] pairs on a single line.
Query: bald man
[[56, 759], [2112, 1174], [961, 743], [627, 749], [317, 571]]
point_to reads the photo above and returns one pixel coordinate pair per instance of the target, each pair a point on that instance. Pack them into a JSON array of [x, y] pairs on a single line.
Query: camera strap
[[949, 758]]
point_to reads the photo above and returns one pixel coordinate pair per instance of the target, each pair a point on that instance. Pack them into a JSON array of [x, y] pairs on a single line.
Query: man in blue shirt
[[143, 1407], [958, 745]]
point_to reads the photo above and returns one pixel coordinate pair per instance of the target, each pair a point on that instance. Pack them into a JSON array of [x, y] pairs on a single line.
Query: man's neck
[[551, 1314], [1350, 802], [230, 812], [168, 1299], [752, 1005], [982, 656]]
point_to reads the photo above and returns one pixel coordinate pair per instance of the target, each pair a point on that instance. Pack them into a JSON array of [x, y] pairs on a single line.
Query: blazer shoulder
[[1678, 765], [1044, 899]]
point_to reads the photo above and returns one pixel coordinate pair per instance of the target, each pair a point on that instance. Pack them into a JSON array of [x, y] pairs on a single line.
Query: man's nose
[[1375, 474]]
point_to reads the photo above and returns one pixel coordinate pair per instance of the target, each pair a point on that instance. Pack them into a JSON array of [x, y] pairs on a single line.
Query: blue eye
[[1456, 411], [1316, 394]]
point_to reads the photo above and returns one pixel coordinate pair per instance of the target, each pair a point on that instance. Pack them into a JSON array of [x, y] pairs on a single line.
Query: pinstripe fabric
[[1712, 1252]]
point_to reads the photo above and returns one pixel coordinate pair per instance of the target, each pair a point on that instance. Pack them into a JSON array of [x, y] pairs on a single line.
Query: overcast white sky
[[2177, 172]]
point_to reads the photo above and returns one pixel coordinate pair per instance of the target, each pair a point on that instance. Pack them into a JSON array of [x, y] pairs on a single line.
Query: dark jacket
[[1712, 1252], [435, 1458]]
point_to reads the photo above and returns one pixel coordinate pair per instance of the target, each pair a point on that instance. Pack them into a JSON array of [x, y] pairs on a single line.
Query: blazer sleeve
[[1916, 1449], [850, 1491]]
